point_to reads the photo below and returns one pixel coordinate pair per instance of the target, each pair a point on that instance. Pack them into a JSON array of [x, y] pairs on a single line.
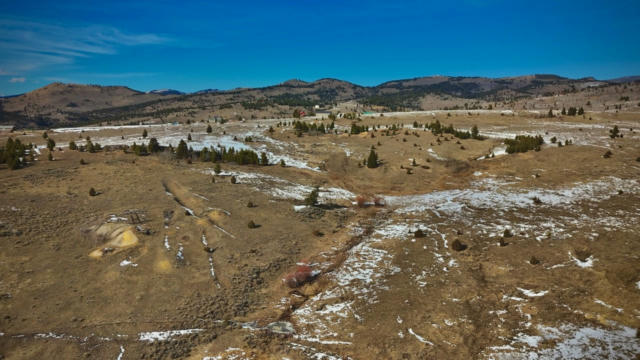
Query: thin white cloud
[[27, 45], [17, 80]]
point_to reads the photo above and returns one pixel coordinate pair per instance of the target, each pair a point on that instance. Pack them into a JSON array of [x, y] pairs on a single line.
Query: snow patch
[[153, 336]]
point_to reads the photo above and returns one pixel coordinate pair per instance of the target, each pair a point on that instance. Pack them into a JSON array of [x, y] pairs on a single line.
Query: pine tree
[[153, 146], [189, 137], [144, 134], [474, 132], [312, 198], [217, 169], [72, 145], [50, 144], [263, 159], [182, 151], [614, 133], [564, 112], [209, 129], [550, 114], [45, 135], [372, 160]]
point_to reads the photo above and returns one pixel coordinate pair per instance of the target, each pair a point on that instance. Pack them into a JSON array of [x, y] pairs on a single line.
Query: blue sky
[[193, 45]]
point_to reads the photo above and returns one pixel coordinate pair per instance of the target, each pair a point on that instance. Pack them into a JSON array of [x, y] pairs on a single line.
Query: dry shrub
[[378, 201], [300, 276]]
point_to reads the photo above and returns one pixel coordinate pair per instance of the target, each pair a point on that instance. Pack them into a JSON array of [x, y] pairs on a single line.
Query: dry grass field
[[449, 248]]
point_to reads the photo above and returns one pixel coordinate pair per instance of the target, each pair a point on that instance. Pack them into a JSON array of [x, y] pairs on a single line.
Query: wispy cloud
[[17, 80], [27, 45]]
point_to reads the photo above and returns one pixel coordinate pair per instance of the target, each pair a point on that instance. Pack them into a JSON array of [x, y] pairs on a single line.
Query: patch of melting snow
[[224, 231], [189, 211], [50, 335], [531, 293], [395, 231], [115, 218], [598, 301], [153, 336], [496, 151], [127, 262], [583, 264], [166, 242], [362, 274], [321, 341], [297, 208], [200, 196], [313, 353], [572, 342], [180, 253], [420, 338], [638, 285], [285, 189], [435, 155], [229, 354], [121, 354], [492, 194]]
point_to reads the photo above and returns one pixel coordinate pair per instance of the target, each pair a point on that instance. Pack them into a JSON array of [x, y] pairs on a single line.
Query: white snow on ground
[[109, 127], [638, 285], [487, 194], [169, 134], [166, 243], [127, 262], [420, 338], [121, 354], [212, 270], [435, 155], [496, 151], [180, 253], [165, 335], [598, 301], [189, 211], [313, 353], [229, 354], [571, 342], [362, 274], [115, 218], [583, 264], [285, 189], [531, 293]]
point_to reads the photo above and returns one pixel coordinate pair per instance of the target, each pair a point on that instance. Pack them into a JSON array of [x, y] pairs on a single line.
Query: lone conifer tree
[[209, 129], [372, 160], [144, 134], [474, 132], [263, 159], [312, 198]]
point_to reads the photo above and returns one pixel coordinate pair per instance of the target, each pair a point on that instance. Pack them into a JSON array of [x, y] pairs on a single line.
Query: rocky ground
[[440, 252]]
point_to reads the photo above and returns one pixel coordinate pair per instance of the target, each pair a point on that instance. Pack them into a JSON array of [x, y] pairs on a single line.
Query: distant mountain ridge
[[66, 104], [165, 92]]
